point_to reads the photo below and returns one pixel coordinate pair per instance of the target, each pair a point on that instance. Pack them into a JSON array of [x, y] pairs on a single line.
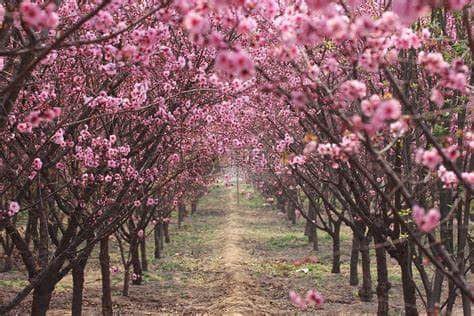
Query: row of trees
[[368, 114], [104, 132]]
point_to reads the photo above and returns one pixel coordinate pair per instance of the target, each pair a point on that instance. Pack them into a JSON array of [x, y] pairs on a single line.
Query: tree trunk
[[43, 292], [436, 291], [77, 288], [383, 285], [451, 298], [137, 268], [143, 254], [471, 253], [157, 235], [315, 239], [354, 274], [291, 213], [42, 297], [336, 248], [166, 232], [409, 290], [105, 271], [365, 291], [194, 207], [126, 281], [181, 213]]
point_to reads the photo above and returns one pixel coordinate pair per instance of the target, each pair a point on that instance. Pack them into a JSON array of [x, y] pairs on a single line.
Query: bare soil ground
[[229, 258]]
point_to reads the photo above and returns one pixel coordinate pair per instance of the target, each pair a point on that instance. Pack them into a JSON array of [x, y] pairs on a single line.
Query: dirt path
[[243, 297]]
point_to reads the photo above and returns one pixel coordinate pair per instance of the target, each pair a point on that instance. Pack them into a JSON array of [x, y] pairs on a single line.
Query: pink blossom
[[449, 178], [195, 23], [457, 4], [353, 89], [468, 177], [310, 147], [369, 106], [297, 300], [431, 220], [317, 4], [389, 110], [140, 233], [452, 152], [426, 222], [409, 10], [314, 297], [437, 97], [150, 201], [13, 208], [429, 158], [2, 13], [24, 127], [31, 13], [418, 214], [237, 64], [37, 164]]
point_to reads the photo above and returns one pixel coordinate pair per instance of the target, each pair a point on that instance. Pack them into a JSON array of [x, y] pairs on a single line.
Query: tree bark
[[126, 281], [166, 232], [42, 297], [137, 268], [354, 274], [157, 235], [77, 288], [107, 309], [365, 291], [336, 248], [181, 213], [143, 254], [383, 285], [409, 290], [194, 207]]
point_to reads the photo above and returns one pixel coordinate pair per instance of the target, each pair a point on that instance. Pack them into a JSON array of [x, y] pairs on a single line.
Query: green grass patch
[[290, 240], [16, 284]]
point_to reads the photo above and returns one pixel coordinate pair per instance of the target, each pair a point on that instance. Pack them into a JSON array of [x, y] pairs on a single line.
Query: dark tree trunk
[[315, 218], [409, 290], [451, 298], [336, 248], [105, 271], [383, 285], [354, 274], [43, 292], [181, 213], [194, 207], [471, 253], [166, 232], [126, 281], [143, 254], [436, 290], [315, 240], [365, 291], [158, 241], [137, 268], [42, 297], [291, 213], [77, 288]]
